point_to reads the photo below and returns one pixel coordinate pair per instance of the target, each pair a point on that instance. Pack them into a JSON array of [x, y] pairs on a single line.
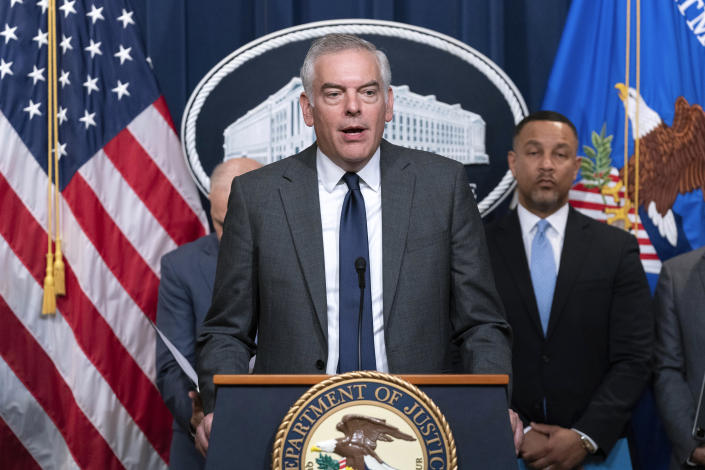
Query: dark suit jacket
[[594, 362], [437, 284], [680, 355], [185, 293]]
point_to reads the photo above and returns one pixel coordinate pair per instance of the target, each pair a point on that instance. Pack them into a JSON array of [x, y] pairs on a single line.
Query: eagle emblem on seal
[[358, 445]]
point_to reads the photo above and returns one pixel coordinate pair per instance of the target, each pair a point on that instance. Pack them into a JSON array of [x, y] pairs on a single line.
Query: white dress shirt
[[331, 194], [555, 232]]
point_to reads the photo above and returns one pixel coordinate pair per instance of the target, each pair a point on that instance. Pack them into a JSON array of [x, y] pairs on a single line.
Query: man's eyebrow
[[331, 85], [371, 83]]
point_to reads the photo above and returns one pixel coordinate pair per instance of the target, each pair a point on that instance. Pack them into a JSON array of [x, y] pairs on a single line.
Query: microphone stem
[[359, 328]]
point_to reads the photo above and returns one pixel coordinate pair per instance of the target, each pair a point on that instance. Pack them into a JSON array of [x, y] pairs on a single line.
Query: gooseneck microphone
[[360, 267]]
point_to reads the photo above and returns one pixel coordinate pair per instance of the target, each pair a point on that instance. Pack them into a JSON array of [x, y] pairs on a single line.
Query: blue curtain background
[[186, 38]]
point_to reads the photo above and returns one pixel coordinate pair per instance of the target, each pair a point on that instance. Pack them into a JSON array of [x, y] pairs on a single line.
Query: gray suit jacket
[[680, 358], [185, 292], [437, 283]]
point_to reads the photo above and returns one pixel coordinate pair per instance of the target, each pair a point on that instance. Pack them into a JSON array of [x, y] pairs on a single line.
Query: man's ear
[[389, 111], [306, 109], [576, 170], [511, 160]]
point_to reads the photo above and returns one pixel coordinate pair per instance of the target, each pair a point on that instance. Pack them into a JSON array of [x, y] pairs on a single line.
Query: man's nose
[[546, 162], [352, 103]]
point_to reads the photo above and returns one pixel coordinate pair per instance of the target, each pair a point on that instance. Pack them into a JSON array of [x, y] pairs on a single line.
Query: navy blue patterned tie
[[353, 245]]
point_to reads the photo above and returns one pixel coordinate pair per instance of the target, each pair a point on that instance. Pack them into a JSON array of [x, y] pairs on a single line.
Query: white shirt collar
[[330, 174], [528, 220]]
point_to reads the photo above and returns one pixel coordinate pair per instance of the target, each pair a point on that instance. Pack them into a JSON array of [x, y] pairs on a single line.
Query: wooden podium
[[250, 408]]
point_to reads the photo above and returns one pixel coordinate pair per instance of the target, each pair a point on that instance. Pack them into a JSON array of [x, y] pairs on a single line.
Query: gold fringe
[[59, 274], [49, 301]]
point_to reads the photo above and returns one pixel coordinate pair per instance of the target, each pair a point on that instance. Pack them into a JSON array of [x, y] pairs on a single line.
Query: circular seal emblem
[[448, 99], [364, 420]]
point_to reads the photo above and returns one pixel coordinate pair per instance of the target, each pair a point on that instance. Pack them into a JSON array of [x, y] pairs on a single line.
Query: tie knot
[[541, 226], [352, 180]]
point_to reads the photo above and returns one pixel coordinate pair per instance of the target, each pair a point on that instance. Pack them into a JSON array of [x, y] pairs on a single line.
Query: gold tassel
[[49, 302], [59, 276]]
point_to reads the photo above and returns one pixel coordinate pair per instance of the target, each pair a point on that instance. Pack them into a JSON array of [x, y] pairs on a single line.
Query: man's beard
[[546, 202]]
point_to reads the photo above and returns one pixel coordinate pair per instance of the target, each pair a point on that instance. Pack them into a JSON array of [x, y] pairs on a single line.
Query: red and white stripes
[[590, 202], [78, 388]]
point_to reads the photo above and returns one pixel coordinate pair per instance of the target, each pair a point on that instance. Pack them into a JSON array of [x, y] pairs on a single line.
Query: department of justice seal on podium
[[364, 420]]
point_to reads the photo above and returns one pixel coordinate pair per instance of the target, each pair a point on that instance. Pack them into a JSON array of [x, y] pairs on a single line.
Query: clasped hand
[[552, 447]]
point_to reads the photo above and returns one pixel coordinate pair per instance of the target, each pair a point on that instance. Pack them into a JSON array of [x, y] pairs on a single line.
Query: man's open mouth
[[353, 130]]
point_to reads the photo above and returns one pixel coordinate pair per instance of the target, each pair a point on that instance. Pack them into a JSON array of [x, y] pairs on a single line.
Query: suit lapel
[[575, 248], [397, 193], [514, 256], [299, 195]]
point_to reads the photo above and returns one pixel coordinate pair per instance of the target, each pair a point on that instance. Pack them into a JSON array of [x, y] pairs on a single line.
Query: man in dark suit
[[680, 360], [281, 269], [185, 293], [577, 299]]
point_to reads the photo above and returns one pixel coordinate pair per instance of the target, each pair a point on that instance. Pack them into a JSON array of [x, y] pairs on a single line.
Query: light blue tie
[[543, 272]]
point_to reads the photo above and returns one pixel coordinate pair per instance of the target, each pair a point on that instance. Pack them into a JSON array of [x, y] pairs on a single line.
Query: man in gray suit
[[430, 281], [185, 293], [680, 360]]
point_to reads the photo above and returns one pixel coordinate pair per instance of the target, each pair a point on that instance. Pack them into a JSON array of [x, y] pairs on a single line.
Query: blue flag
[[589, 85]]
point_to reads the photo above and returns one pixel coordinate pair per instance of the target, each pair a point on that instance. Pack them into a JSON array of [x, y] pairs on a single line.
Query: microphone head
[[360, 264]]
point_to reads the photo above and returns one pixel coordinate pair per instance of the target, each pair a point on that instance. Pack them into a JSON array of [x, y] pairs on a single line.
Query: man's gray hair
[[332, 43]]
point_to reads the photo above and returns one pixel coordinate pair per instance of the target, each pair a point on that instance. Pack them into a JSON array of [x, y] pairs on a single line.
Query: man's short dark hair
[[545, 116]]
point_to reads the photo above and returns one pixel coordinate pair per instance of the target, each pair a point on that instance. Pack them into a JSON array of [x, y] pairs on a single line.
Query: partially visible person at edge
[[185, 292], [680, 354]]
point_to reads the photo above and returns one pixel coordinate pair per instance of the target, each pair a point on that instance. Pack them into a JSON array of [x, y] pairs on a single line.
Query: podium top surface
[[418, 379]]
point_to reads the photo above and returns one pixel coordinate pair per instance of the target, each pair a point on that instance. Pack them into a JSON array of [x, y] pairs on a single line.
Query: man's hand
[[564, 449], [196, 409], [535, 446], [517, 430], [698, 455], [203, 434]]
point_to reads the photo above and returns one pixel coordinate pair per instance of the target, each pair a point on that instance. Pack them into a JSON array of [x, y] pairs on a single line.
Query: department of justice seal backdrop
[[364, 420], [448, 99]]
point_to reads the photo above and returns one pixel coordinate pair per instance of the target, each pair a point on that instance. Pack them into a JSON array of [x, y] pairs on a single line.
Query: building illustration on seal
[[275, 129]]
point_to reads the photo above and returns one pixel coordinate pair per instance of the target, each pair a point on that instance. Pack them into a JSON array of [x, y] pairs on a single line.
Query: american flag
[[77, 389], [590, 202]]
